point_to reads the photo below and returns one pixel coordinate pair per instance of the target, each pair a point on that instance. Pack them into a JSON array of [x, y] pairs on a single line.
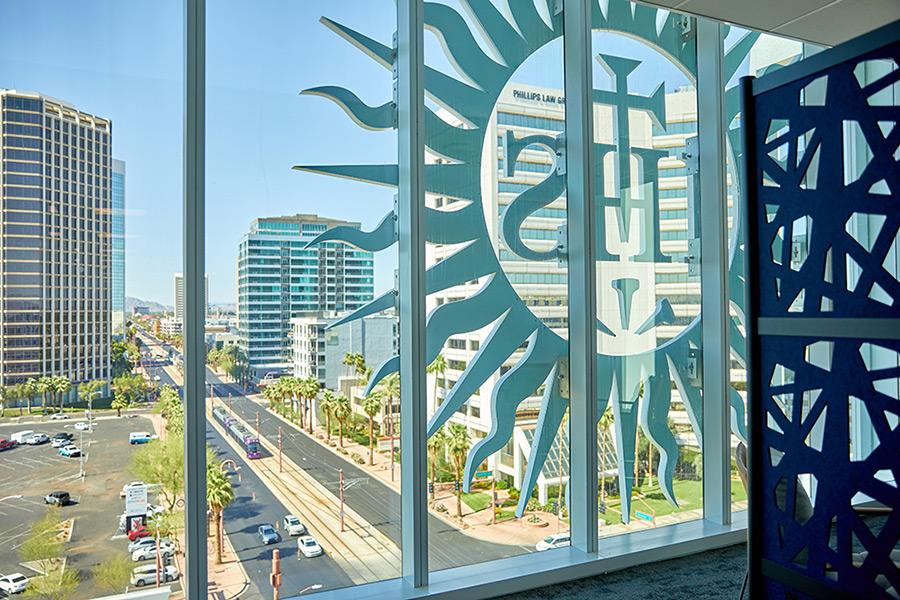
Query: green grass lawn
[[688, 494], [477, 500]]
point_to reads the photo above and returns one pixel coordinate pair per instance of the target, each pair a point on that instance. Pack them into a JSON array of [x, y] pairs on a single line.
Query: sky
[[124, 61]]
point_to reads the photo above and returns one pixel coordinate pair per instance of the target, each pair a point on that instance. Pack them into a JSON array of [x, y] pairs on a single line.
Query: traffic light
[[457, 485], [430, 487]]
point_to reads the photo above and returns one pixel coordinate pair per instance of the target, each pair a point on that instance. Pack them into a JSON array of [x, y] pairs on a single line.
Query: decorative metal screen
[[821, 151]]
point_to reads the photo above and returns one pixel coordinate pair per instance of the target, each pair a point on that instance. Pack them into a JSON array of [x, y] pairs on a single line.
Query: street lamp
[[315, 586]]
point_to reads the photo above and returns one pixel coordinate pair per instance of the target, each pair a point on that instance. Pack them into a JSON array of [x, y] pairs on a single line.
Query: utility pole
[[257, 423], [81, 452], [276, 572], [494, 499], [279, 448], [158, 565], [229, 404]]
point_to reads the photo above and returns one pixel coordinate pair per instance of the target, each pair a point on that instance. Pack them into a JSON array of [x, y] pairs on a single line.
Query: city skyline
[[142, 94]]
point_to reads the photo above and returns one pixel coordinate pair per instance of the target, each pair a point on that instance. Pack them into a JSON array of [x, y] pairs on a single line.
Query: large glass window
[[88, 460]]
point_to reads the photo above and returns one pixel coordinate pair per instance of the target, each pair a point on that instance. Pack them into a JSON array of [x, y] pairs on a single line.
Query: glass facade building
[[55, 279], [279, 278], [118, 248]]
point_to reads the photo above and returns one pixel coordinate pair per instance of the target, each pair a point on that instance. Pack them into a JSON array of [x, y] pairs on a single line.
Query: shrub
[[360, 461], [502, 484], [534, 519], [344, 451], [440, 507], [355, 456], [332, 444], [513, 493]]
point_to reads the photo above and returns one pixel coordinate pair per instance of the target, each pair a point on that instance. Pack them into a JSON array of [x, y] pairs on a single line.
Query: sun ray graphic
[[513, 36]]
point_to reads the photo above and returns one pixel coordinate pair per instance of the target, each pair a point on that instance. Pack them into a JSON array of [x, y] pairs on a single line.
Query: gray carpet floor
[[717, 574]]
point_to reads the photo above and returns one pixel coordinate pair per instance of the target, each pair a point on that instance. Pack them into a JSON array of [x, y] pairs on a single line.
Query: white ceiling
[[827, 22]]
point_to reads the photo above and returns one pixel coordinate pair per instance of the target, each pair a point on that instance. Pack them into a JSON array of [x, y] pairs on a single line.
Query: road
[[253, 506], [376, 502]]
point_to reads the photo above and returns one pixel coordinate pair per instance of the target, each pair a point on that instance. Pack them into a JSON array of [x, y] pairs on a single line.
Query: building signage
[[534, 96], [136, 500]]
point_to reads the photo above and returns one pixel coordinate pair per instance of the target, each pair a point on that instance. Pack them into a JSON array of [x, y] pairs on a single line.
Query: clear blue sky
[[124, 61]]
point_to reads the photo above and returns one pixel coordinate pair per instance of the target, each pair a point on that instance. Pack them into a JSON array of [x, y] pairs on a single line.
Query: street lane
[[249, 511]]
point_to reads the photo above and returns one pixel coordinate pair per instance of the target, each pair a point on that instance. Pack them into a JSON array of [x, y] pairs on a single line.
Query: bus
[[247, 439]]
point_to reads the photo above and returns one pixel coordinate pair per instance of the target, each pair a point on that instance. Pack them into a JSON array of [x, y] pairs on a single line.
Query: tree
[[44, 387], [342, 410], [171, 405], [161, 462], [348, 361], [312, 392], [219, 495], [327, 405], [43, 545], [438, 367], [54, 586], [371, 404], [119, 359], [31, 391], [606, 421], [120, 401], [170, 524], [5, 393], [458, 444], [114, 574], [436, 443], [60, 386], [89, 389], [271, 394], [390, 389]]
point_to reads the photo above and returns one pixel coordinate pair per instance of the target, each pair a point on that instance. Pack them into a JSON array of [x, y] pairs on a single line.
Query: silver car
[[146, 575], [148, 551]]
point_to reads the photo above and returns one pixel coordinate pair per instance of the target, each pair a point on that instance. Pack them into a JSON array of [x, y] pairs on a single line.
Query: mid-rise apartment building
[[279, 279], [55, 243]]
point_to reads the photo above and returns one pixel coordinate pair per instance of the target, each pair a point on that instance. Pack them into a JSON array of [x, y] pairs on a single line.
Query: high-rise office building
[[118, 248], [179, 296], [278, 279], [55, 244]]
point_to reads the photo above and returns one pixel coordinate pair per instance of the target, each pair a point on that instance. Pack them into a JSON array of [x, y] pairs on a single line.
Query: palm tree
[[390, 388], [5, 394], [342, 410], [435, 444], [606, 421], [270, 394], [458, 444], [31, 390], [371, 404], [44, 387], [348, 360], [61, 386], [359, 362], [312, 392], [219, 495], [327, 405], [438, 367]]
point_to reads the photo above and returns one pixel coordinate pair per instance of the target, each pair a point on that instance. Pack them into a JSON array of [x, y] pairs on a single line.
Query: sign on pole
[[136, 500], [643, 516], [482, 474]]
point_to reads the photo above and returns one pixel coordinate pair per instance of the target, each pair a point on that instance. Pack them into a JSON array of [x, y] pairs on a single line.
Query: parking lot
[[27, 473]]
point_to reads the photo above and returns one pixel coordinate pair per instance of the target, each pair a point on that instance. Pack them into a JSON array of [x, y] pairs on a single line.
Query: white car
[[558, 540], [157, 378], [129, 485], [146, 575], [148, 551], [82, 426], [309, 547], [293, 526], [70, 450], [38, 438], [13, 584], [145, 542], [57, 416]]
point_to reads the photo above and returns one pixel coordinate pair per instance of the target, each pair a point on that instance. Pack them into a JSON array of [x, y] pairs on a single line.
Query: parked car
[[38, 438], [141, 437], [13, 584], [130, 485], [557, 540], [58, 416], [60, 439], [6, 444], [70, 450], [309, 547], [148, 552], [267, 534], [293, 526], [82, 426], [57, 498], [146, 541], [146, 575], [141, 532]]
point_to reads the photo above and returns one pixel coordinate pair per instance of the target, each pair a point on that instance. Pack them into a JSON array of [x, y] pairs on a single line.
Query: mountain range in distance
[[153, 307]]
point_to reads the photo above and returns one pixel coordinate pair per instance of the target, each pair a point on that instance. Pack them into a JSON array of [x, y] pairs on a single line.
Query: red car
[[140, 532], [5, 444]]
